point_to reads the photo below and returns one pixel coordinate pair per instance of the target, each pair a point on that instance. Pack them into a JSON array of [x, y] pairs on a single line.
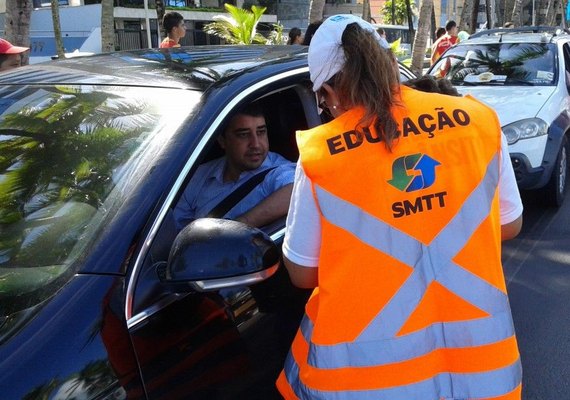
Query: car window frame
[[202, 146]]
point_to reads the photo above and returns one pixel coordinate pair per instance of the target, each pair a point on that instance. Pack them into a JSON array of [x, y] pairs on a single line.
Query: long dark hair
[[369, 79], [294, 33]]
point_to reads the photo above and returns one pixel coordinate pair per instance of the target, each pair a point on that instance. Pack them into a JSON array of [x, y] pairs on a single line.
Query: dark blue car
[[100, 297]]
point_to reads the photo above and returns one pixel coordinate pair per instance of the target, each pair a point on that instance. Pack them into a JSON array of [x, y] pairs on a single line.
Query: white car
[[524, 74]]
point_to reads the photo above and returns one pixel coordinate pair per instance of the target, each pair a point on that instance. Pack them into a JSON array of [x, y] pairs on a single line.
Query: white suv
[[524, 74]]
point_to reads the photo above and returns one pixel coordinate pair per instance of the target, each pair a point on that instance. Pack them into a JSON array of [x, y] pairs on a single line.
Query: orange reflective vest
[[411, 302]]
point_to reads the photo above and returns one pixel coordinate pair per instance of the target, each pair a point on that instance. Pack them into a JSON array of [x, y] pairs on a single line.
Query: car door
[[224, 343]]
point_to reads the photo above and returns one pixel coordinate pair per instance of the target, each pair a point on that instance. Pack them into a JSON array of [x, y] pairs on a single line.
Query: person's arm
[[512, 229], [270, 209], [510, 202], [301, 276], [302, 242]]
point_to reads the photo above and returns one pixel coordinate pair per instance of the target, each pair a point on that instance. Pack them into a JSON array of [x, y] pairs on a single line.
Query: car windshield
[[68, 157], [516, 64]]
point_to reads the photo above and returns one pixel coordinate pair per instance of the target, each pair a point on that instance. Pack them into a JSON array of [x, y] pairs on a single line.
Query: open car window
[[286, 111]]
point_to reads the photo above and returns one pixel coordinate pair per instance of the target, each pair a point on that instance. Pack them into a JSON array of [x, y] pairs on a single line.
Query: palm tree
[[473, 15], [107, 26], [57, 29], [159, 4], [240, 27], [489, 13], [17, 24], [516, 15], [366, 14], [316, 9], [409, 13], [420, 40], [465, 18]]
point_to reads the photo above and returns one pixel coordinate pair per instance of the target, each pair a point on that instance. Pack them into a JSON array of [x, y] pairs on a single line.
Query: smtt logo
[[405, 176]]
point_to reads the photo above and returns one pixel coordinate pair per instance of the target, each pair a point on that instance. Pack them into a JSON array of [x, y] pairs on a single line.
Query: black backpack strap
[[237, 195]]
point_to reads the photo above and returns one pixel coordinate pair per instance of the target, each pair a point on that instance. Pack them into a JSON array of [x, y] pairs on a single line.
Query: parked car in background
[[524, 74], [100, 296]]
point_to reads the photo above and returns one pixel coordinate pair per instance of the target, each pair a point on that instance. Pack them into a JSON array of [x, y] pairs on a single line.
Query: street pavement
[[537, 269]]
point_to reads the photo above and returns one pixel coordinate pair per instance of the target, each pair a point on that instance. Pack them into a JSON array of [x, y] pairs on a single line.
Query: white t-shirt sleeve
[[510, 201], [302, 243]]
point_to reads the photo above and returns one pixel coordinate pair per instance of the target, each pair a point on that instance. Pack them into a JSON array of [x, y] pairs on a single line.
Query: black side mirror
[[212, 254]]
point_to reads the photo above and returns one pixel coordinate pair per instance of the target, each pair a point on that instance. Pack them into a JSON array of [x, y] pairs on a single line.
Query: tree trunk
[[159, 4], [473, 16], [516, 15], [489, 13], [316, 9], [420, 41], [107, 26], [552, 8], [60, 50], [410, 17], [465, 19], [366, 10], [433, 25], [17, 24]]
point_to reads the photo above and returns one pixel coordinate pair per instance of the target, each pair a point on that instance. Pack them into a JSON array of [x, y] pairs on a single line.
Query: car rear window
[[508, 64], [68, 155]]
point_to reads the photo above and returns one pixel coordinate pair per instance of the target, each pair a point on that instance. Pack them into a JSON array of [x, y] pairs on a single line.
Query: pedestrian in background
[[445, 41], [439, 32], [381, 32], [175, 28], [398, 211], [295, 36], [10, 55], [311, 29]]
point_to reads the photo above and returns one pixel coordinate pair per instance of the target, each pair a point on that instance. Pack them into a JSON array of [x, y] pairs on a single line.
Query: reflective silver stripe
[[416, 344], [442, 386], [378, 343]]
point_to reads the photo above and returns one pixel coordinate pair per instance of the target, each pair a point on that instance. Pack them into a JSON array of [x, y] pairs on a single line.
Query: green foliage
[[396, 49], [400, 12], [276, 35], [240, 27]]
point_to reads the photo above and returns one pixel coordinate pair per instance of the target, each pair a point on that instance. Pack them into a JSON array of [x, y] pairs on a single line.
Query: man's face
[[11, 61], [245, 142], [454, 31]]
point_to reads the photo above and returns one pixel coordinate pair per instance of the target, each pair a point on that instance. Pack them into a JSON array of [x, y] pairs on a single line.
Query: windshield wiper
[[514, 81]]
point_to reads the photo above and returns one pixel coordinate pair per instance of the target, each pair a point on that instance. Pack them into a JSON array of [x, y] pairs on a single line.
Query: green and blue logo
[[405, 178]]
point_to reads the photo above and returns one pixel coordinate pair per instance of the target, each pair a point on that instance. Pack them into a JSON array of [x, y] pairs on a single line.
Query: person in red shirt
[[173, 23], [10, 55], [445, 41]]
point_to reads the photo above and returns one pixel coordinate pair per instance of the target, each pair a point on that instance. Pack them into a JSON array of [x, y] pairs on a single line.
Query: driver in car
[[247, 160]]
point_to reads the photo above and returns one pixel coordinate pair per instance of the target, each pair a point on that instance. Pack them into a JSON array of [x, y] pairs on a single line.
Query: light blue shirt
[[207, 188]]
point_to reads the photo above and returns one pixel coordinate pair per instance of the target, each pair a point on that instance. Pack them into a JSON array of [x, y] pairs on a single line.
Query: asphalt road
[[537, 269]]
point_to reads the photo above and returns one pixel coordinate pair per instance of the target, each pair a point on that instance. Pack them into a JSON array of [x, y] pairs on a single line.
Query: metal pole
[[147, 20], [533, 14]]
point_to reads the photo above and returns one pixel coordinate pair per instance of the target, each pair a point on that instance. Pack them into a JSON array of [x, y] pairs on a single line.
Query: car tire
[[555, 189]]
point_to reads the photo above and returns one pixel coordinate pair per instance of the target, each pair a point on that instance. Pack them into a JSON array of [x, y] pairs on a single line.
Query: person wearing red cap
[[10, 55]]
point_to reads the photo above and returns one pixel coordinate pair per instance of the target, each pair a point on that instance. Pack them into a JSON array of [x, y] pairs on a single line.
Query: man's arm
[[270, 209], [512, 229]]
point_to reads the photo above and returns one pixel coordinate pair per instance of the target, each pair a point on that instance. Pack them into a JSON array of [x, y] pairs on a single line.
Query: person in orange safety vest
[[399, 207]]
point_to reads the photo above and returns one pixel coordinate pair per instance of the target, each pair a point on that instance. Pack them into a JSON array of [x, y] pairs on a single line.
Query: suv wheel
[[555, 189]]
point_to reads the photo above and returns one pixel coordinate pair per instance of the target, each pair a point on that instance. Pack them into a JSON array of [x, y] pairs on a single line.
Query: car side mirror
[[212, 254]]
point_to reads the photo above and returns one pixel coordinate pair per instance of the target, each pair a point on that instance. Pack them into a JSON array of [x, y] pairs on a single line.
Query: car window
[[517, 64], [286, 110], [70, 155]]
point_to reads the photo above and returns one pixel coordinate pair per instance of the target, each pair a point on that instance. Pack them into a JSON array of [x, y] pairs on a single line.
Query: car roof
[[193, 67], [525, 34]]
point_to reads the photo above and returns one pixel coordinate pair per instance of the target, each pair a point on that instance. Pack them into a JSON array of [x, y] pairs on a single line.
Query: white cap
[[326, 56]]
